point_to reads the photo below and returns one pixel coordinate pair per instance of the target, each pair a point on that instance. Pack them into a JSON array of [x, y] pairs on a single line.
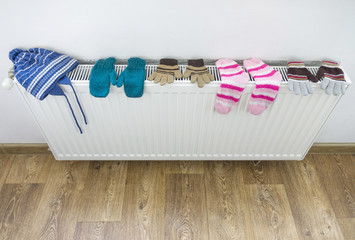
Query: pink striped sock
[[267, 85], [234, 79]]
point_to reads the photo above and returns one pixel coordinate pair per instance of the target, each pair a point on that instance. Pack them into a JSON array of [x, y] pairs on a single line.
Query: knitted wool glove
[[298, 78], [133, 78], [333, 78], [165, 72], [198, 71], [101, 75]]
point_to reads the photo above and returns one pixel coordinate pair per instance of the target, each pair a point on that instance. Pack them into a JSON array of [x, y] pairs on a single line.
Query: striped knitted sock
[[234, 79], [267, 85]]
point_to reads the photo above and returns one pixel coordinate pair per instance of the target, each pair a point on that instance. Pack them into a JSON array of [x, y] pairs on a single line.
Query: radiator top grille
[[82, 72]]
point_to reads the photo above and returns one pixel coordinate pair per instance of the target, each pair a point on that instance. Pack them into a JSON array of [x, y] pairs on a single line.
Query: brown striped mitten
[[333, 78], [299, 77], [165, 72], [198, 71]]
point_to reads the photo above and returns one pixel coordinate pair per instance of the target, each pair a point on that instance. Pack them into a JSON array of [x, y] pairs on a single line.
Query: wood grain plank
[[184, 167], [29, 168], [347, 226], [338, 175], [60, 203], [143, 205], [270, 211], [6, 162], [312, 211], [227, 206], [98, 231], [185, 208], [103, 192], [261, 172], [18, 205]]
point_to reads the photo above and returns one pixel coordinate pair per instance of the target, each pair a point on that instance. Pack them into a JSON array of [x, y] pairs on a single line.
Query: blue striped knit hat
[[40, 71]]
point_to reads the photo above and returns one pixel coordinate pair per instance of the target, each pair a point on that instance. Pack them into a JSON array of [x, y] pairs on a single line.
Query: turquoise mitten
[[101, 75], [133, 78]]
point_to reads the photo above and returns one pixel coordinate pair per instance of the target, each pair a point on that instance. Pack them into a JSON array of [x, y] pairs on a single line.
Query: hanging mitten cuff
[[109, 63], [136, 63]]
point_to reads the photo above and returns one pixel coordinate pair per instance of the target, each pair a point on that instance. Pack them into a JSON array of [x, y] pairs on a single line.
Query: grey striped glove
[[333, 78], [299, 77]]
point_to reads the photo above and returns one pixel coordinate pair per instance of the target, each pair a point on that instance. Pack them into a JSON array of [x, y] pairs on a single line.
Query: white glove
[[299, 78], [300, 86], [333, 78], [333, 86]]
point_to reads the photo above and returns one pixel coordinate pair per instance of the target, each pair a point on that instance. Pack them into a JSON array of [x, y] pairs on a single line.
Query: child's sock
[[234, 79], [267, 85]]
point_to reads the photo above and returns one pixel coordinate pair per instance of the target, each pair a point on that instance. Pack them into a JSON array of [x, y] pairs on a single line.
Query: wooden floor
[[41, 198]]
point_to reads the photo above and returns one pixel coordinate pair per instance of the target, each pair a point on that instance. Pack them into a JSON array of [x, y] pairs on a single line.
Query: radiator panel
[[178, 122]]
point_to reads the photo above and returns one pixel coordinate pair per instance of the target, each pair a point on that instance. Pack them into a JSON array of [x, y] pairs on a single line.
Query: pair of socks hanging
[[234, 80]]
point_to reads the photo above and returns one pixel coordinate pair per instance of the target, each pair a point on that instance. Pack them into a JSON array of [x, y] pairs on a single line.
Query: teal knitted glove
[[101, 75], [133, 78]]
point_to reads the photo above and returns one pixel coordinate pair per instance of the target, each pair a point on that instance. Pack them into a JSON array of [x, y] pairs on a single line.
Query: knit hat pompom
[[14, 53], [7, 83]]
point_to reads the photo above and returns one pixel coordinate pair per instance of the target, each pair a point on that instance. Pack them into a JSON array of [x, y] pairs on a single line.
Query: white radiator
[[178, 122]]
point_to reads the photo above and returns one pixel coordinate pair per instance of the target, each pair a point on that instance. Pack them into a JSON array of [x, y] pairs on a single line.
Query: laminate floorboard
[[227, 205], [18, 205], [41, 198], [270, 211], [261, 172], [144, 201], [29, 168], [185, 207], [6, 161], [347, 226], [309, 201], [338, 175], [184, 167], [98, 231], [61, 201], [103, 192]]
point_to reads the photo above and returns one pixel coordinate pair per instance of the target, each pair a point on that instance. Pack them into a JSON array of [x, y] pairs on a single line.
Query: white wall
[[91, 29]]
